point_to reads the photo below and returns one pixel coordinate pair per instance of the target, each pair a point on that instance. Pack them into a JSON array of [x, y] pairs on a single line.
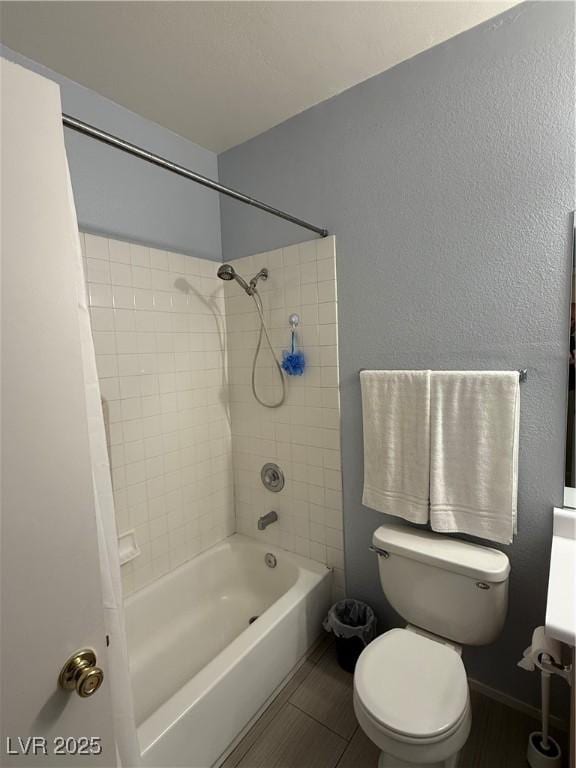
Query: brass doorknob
[[80, 673]]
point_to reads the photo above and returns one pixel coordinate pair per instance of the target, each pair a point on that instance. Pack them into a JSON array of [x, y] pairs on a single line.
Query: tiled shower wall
[[179, 420], [302, 436], [159, 331]]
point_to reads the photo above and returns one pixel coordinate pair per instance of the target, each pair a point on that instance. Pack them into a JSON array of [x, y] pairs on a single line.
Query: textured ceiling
[[219, 73]]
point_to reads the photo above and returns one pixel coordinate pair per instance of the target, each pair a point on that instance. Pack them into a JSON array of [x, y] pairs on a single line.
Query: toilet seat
[[412, 688], [372, 725]]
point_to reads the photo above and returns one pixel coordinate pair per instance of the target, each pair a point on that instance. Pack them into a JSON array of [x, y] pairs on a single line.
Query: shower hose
[[264, 332]]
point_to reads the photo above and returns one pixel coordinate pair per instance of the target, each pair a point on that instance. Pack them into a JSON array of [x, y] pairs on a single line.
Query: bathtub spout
[[266, 520]]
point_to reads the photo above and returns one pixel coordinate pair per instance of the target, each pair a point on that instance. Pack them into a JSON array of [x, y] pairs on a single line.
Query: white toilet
[[410, 688]]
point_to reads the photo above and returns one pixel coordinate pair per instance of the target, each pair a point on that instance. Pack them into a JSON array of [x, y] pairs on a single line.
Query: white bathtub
[[199, 670]]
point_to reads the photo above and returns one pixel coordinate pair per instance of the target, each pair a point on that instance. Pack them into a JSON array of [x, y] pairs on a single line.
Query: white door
[[51, 602]]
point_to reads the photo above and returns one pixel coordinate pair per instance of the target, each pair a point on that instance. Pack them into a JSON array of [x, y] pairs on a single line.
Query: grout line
[[264, 711], [345, 738], [244, 745], [316, 664], [329, 644], [347, 746]]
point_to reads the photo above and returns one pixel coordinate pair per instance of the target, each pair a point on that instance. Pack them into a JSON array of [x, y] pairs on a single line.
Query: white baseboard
[[510, 701]]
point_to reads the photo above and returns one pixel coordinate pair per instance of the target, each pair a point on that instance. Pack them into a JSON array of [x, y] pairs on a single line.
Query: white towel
[[474, 418], [396, 415]]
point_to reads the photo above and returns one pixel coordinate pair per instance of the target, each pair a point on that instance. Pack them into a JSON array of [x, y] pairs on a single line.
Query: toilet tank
[[446, 586]]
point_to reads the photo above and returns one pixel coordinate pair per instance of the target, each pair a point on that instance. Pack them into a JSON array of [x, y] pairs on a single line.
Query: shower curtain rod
[[125, 146]]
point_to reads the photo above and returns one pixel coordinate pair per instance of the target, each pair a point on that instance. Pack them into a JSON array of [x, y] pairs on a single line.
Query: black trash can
[[353, 624]]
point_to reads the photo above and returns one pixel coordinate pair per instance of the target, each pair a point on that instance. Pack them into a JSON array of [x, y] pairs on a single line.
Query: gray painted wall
[[448, 182], [122, 196]]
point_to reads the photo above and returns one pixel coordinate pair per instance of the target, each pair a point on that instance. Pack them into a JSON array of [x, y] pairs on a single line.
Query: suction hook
[[294, 321]]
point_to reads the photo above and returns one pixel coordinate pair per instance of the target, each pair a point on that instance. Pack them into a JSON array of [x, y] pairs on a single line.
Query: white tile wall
[[183, 426], [159, 330], [303, 436]]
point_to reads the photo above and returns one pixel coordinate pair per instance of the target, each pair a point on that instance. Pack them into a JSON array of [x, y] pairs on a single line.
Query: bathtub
[[200, 670]]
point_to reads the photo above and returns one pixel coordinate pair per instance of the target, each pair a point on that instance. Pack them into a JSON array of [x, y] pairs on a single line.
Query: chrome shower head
[[227, 272]]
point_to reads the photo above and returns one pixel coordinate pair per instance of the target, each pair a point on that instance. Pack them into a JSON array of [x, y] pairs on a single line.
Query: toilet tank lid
[[472, 560]]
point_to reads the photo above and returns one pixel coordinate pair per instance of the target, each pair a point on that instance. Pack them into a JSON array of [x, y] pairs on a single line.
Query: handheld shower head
[[227, 272], [262, 275]]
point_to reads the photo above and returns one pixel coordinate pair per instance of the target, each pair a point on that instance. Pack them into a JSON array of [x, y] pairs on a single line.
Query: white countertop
[[561, 603]]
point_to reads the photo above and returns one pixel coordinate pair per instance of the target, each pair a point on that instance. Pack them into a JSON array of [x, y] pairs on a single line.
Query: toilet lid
[[412, 685]]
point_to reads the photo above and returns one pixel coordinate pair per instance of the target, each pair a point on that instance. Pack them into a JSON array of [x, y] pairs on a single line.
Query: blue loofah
[[293, 363]]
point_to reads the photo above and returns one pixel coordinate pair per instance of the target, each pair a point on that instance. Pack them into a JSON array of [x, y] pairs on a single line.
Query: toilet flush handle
[[379, 552]]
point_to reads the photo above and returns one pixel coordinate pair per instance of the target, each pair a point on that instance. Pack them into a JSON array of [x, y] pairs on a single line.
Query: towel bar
[[523, 373]]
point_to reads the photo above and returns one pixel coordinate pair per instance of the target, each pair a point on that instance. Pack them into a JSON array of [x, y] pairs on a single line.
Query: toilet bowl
[[411, 699], [411, 693]]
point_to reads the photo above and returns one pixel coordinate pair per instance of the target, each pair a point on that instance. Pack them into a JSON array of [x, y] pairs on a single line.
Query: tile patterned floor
[[311, 724]]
